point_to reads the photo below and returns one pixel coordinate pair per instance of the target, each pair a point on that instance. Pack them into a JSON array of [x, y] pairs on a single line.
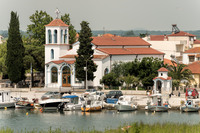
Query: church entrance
[[66, 77], [159, 86]]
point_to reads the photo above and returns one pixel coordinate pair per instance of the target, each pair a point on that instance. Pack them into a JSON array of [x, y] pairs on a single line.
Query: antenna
[[175, 29], [57, 13]]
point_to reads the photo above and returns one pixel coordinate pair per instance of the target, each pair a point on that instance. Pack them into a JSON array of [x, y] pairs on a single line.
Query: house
[[60, 59], [191, 55]]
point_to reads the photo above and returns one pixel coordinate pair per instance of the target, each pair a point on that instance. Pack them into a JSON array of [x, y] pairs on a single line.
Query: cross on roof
[[57, 13]]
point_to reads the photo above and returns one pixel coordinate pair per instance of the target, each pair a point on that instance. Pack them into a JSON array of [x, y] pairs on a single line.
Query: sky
[[110, 14]]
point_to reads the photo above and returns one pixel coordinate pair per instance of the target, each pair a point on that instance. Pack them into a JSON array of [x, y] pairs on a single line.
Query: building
[[191, 55], [60, 59]]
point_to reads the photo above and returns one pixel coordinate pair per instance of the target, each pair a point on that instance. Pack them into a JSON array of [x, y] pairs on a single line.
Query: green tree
[[129, 33], [179, 72], [15, 51], [72, 32], [3, 67], [109, 80], [85, 54], [36, 30]]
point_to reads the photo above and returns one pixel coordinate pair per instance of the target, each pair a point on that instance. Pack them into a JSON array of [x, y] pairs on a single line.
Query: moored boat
[[189, 106], [52, 104], [91, 105], [6, 101], [75, 102], [126, 103]]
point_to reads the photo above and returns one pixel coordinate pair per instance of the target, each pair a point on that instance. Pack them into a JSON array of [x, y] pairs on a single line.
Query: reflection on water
[[77, 120]]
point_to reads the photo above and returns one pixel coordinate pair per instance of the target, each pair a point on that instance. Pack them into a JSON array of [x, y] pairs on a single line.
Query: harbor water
[[76, 120]]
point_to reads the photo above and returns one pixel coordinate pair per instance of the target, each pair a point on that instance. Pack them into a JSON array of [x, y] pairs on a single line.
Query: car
[[50, 94], [114, 94], [192, 93]]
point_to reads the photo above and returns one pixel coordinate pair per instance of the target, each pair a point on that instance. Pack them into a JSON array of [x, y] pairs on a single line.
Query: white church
[[60, 59]]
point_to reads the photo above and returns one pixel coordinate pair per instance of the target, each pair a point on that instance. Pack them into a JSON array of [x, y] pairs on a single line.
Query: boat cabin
[[4, 96]]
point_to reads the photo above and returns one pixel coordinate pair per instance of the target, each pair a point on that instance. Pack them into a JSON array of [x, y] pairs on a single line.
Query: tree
[[36, 30], [110, 80], [3, 52], [72, 32], [85, 54], [129, 33], [179, 73], [15, 51]]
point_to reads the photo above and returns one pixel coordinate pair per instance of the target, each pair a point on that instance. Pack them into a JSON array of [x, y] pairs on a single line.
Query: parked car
[[114, 94], [50, 94], [192, 93]]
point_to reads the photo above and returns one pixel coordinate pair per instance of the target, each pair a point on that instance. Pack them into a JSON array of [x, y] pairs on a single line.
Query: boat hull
[[157, 108], [52, 104], [189, 109], [72, 107], [7, 104], [91, 109], [125, 107]]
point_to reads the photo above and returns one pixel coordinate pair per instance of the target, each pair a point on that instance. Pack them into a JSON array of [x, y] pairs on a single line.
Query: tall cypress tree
[[85, 54], [15, 51]]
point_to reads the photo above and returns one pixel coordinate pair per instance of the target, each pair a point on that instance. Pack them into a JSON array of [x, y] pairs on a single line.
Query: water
[[76, 120]]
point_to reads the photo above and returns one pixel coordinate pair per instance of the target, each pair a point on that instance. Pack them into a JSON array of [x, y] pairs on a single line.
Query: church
[[108, 49]]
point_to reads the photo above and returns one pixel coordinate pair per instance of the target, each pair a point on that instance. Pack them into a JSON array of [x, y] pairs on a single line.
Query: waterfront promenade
[[140, 95]]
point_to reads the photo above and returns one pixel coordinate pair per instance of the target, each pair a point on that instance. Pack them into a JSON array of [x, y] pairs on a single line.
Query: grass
[[134, 128]]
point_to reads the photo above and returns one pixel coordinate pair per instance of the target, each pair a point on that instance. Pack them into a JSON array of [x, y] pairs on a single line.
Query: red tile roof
[[169, 62], [194, 67], [193, 50], [158, 37], [182, 33], [162, 69], [198, 55], [95, 56], [57, 22], [168, 78], [108, 35], [61, 61], [196, 41], [130, 51], [119, 41]]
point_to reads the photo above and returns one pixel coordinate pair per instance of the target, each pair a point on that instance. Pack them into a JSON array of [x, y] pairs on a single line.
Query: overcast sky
[[111, 14]]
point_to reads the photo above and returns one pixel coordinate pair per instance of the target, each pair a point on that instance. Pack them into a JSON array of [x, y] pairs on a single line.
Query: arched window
[[55, 36], [54, 75], [49, 36], [61, 36], [52, 54], [65, 37], [106, 71]]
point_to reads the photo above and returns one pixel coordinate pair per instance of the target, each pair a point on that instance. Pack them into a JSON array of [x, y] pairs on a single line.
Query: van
[[192, 93]]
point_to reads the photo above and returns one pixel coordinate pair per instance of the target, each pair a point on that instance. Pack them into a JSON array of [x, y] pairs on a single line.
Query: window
[[106, 71], [191, 58], [55, 36], [161, 74], [50, 37], [65, 37], [52, 54], [54, 75], [61, 36]]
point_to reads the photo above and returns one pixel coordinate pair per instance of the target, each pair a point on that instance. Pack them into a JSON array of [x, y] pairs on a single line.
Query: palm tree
[[179, 72]]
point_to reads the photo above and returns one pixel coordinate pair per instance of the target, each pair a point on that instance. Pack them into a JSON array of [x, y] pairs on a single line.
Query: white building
[[191, 55], [59, 58]]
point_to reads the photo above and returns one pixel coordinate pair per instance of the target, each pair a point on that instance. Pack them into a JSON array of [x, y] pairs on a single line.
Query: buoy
[[26, 113], [5, 108]]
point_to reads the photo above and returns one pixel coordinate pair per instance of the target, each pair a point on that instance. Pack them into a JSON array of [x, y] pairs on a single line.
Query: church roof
[[57, 22], [182, 33], [130, 51], [193, 50], [119, 41], [168, 78], [61, 61], [162, 69]]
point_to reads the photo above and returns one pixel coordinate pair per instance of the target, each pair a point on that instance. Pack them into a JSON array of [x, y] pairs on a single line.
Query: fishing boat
[[6, 101], [24, 103], [189, 106], [156, 103], [126, 103], [91, 105], [75, 102]]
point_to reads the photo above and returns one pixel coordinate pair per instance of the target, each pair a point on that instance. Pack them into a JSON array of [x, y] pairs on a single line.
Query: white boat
[[75, 102], [189, 106], [126, 103], [53, 104], [156, 103], [6, 101], [24, 103]]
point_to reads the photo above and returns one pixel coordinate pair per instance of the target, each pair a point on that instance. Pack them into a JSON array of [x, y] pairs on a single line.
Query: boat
[[156, 103], [189, 106], [75, 102], [53, 104], [126, 103], [6, 101], [24, 103], [91, 104]]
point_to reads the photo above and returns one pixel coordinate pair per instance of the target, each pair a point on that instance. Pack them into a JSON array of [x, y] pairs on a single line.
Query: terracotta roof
[[169, 62], [61, 61], [57, 22], [162, 69], [196, 41], [108, 35], [193, 50], [158, 37], [130, 51], [182, 33], [194, 67], [95, 56], [198, 55], [168, 78], [119, 41], [56, 44]]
